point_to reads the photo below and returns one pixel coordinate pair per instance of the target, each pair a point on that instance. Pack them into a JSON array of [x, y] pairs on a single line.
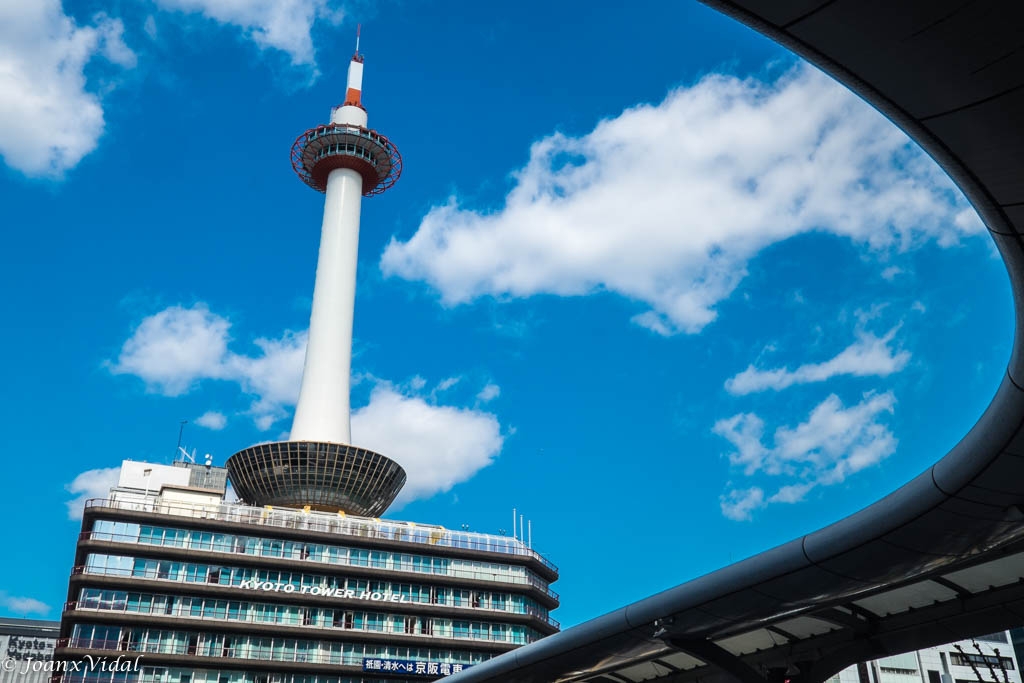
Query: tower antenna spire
[[359, 28]]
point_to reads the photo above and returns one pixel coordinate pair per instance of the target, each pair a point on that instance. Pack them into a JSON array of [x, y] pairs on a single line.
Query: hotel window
[[969, 659]]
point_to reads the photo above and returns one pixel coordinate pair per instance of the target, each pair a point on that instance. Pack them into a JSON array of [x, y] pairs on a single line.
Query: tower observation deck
[[318, 467]]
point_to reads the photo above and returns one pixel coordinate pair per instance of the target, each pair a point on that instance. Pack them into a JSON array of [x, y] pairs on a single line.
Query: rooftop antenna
[[181, 429], [359, 28], [185, 455]]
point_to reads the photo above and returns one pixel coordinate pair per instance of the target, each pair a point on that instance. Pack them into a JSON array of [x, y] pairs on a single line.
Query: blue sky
[[646, 277]]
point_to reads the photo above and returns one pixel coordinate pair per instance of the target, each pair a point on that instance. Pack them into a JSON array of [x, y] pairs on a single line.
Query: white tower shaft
[[323, 410]]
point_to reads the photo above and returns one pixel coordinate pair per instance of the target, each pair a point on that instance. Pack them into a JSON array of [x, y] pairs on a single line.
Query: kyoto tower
[[317, 467]]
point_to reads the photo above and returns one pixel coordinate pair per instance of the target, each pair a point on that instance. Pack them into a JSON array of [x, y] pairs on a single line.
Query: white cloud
[[833, 443], [792, 493], [284, 25], [439, 446], [740, 504], [891, 272], [745, 432], [49, 117], [667, 203], [868, 356], [273, 376], [489, 393], [90, 484], [22, 605], [171, 351], [446, 384], [212, 419]]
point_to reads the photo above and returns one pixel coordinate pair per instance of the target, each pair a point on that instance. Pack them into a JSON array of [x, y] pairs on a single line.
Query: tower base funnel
[[323, 476]]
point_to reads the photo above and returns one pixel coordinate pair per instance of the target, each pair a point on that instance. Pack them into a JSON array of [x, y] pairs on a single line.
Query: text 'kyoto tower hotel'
[[301, 582]]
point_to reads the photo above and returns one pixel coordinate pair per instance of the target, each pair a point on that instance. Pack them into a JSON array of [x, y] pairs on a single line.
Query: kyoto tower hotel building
[[301, 582]]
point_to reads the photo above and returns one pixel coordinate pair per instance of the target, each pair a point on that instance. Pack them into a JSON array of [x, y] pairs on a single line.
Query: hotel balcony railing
[[182, 577], [347, 525], [487, 611], [211, 650], [407, 567], [436, 631]]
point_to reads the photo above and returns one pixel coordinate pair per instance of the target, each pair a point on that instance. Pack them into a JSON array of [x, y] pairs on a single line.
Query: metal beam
[[955, 587], [840, 618], [717, 656]]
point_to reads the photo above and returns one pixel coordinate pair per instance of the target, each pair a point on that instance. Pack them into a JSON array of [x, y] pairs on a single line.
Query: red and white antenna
[[354, 89]]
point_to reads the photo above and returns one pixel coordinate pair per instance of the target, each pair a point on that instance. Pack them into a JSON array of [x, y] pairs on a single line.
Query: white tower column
[[323, 411], [319, 467]]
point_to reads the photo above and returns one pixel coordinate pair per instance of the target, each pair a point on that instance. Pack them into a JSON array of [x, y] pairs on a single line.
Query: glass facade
[[163, 674], [304, 582], [145, 640], [131, 533], [343, 618]]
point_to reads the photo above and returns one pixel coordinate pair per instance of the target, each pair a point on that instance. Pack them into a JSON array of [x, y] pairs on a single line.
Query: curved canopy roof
[[941, 558]]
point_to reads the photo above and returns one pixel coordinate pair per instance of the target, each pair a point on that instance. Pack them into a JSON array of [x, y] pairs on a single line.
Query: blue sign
[[408, 666]]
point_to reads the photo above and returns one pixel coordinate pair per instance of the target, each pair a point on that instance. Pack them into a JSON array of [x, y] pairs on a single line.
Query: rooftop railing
[[346, 525]]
